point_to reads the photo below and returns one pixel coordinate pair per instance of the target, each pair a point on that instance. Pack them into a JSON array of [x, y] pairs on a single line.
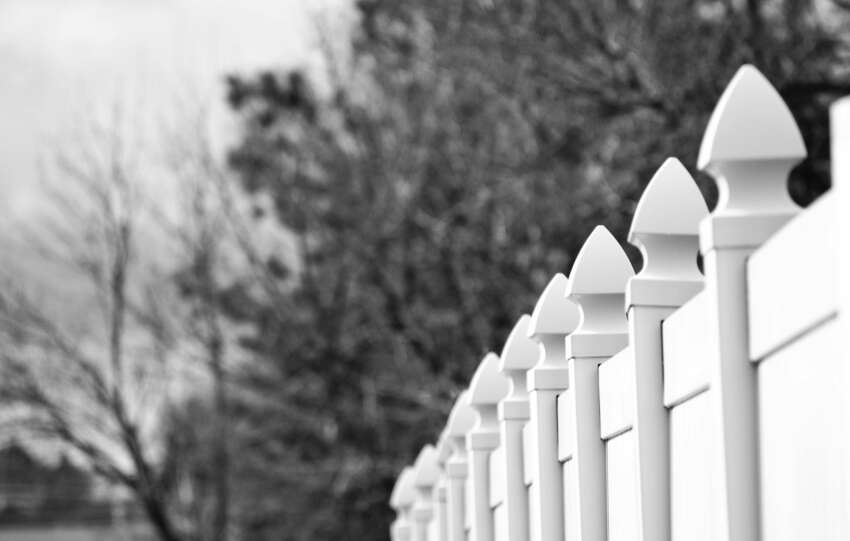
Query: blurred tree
[[112, 362], [449, 169]]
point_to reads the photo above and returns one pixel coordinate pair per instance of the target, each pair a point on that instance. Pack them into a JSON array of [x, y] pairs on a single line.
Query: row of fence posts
[[534, 448]]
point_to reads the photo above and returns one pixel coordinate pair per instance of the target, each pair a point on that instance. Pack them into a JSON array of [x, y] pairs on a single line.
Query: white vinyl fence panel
[[671, 404]]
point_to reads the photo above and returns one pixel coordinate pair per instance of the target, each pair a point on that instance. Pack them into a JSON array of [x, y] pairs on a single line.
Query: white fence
[[671, 404]]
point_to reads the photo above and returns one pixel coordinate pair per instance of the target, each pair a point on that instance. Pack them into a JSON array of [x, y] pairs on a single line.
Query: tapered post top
[[404, 493], [487, 388], [597, 286], [553, 314], [553, 318], [666, 230], [519, 355], [426, 469], [461, 421], [749, 146]]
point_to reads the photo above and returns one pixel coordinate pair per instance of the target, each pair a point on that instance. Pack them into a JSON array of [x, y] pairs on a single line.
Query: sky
[[60, 58]]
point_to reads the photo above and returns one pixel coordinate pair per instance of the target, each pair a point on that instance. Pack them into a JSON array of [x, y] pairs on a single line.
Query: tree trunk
[[159, 519]]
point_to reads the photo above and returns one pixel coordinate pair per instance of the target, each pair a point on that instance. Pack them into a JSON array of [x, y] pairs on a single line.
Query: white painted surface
[[789, 295], [804, 457]]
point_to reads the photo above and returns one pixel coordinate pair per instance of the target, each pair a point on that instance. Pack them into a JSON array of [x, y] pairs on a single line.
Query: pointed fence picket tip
[[426, 469], [601, 266], [462, 417], [519, 352], [403, 493], [488, 385], [751, 122], [554, 313], [671, 204]]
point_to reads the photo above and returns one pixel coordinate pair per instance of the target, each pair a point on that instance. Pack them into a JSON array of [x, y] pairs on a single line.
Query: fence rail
[[671, 404]]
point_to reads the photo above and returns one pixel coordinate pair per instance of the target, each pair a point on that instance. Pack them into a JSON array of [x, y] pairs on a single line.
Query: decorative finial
[[461, 420], [553, 313], [750, 145], [666, 230], [488, 386], [426, 469], [598, 283], [519, 354], [403, 494]]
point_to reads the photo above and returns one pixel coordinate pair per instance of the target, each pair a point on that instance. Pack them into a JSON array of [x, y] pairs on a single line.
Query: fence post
[[486, 389], [666, 229], [425, 476], [401, 500], [597, 285], [461, 420], [519, 354], [553, 318], [444, 450], [750, 145]]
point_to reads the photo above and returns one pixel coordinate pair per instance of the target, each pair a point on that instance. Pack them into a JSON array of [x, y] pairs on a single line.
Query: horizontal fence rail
[[671, 404]]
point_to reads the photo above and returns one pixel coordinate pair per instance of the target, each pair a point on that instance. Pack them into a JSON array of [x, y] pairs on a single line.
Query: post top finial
[[461, 418], [751, 122], [601, 266], [403, 493], [553, 313], [488, 385], [671, 204], [520, 352], [426, 469]]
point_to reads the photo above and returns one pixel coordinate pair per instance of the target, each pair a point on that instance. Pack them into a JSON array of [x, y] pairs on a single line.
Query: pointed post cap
[[671, 204], [426, 469], [519, 352], [554, 313], [488, 386], [462, 417], [403, 494], [601, 266], [750, 123]]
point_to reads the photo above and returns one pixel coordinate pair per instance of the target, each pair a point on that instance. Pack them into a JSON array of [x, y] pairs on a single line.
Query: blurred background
[[251, 251]]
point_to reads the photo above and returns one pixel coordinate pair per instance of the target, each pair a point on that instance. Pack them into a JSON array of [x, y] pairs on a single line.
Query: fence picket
[[461, 420], [553, 318], [401, 500], [487, 388], [519, 355], [750, 145], [597, 285], [668, 239]]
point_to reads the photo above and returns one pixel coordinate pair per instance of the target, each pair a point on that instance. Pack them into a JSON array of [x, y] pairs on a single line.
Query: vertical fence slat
[[518, 356], [461, 420], [554, 317], [749, 147], [666, 229], [487, 388], [425, 477], [597, 285], [402, 500]]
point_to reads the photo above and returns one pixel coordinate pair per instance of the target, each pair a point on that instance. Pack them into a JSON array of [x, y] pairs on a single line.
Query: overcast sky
[[59, 56]]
